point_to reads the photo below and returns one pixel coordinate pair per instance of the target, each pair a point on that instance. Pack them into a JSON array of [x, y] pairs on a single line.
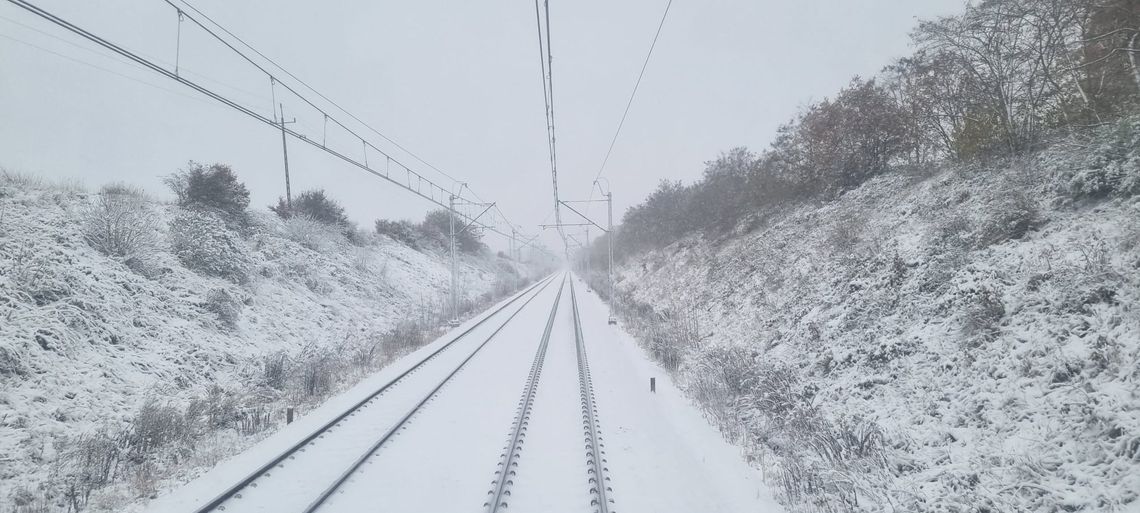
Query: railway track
[[595, 448], [504, 476], [234, 492], [597, 474]]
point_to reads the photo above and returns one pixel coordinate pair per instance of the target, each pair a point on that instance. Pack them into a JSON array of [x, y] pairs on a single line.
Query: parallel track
[[595, 447], [234, 491], [504, 476], [597, 473], [371, 452]]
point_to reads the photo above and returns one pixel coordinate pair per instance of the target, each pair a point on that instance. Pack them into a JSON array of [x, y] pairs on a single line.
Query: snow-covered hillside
[[965, 338], [114, 384]]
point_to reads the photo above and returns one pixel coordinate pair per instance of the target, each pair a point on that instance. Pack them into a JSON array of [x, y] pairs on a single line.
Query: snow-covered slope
[[85, 341], [964, 339]]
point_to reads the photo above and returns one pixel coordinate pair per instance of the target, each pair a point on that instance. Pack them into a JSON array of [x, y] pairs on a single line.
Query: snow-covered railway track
[[504, 476], [232, 495], [551, 481], [598, 477]]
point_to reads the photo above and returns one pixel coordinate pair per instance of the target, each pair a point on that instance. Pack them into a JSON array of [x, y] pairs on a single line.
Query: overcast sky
[[456, 82]]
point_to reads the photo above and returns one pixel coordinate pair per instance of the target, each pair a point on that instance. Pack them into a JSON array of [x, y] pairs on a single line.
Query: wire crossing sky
[[454, 82], [435, 193]]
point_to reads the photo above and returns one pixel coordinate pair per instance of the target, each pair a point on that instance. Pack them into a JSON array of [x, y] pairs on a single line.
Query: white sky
[[456, 82]]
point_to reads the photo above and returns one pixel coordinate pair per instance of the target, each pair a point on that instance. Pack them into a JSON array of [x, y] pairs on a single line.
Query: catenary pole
[[285, 153]]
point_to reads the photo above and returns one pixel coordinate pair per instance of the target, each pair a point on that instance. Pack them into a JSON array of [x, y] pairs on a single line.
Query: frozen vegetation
[[141, 342], [953, 337], [922, 295]]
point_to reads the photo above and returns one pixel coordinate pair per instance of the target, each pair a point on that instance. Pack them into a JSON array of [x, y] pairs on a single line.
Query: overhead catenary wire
[[546, 61], [321, 95], [249, 96], [632, 95], [323, 112], [149, 64], [110, 71]]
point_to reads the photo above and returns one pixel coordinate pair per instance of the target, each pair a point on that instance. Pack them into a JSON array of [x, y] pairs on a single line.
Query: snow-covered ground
[[662, 455], [85, 342], [962, 339]]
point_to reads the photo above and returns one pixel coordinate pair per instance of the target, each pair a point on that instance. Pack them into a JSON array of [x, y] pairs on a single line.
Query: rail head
[[597, 472], [505, 472], [217, 501], [332, 488]]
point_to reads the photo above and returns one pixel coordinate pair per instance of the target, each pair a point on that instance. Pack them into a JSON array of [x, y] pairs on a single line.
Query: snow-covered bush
[[37, 276], [10, 364], [1113, 169], [1010, 219], [845, 235], [203, 243], [120, 223], [214, 188], [311, 233], [404, 232], [405, 337], [275, 370], [317, 373], [983, 312], [356, 236], [218, 409], [94, 459], [225, 306], [314, 205], [365, 352], [154, 426], [362, 259], [720, 376]]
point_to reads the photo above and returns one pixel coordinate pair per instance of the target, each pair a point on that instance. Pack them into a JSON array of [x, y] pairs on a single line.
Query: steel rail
[[597, 472], [233, 490], [323, 497], [505, 472]]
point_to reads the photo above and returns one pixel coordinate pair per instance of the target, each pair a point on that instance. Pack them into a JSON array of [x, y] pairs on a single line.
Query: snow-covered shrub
[[218, 409], [673, 335], [26, 500], [154, 426], [35, 276], [404, 232], [317, 373], [275, 370], [120, 223], [225, 306], [983, 313], [1010, 219], [311, 233], [202, 243], [20, 180], [844, 236], [405, 337], [720, 376], [1113, 169], [362, 259], [92, 460], [355, 236], [10, 364], [214, 188], [301, 269], [314, 205], [365, 352]]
